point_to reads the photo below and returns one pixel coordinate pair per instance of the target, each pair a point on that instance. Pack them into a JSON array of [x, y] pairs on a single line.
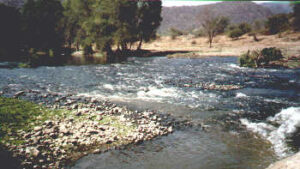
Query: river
[[246, 128]]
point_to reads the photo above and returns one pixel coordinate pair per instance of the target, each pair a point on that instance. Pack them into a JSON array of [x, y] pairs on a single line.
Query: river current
[[250, 127]]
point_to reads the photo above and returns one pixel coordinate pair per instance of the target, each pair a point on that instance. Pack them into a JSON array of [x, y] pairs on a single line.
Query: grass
[[18, 115]]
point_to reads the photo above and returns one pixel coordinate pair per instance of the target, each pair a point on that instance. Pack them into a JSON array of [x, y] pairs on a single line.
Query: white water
[[240, 95], [288, 121]]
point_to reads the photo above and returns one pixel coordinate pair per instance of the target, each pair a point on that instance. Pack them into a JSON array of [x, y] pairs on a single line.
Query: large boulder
[[292, 162]]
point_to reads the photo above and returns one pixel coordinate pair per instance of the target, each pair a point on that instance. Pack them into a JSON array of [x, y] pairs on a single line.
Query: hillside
[[188, 17], [277, 8]]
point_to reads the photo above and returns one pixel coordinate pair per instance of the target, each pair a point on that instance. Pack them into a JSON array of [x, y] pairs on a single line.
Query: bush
[[199, 33], [270, 54], [235, 33], [222, 25], [175, 32], [260, 58], [248, 60], [277, 24], [245, 27]]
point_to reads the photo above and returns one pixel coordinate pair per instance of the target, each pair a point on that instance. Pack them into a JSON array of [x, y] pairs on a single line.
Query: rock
[[287, 163], [78, 113], [32, 151], [18, 94], [99, 118], [49, 123], [63, 129], [75, 106], [170, 129], [93, 100], [37, 128]]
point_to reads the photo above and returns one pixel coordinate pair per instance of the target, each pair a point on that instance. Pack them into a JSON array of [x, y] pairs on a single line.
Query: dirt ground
[[224, 46]]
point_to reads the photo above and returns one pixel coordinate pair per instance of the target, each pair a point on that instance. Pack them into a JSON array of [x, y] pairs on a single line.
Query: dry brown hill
[[187, 18]]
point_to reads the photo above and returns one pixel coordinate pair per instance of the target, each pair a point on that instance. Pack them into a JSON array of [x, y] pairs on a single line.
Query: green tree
[[10, 41], [245, 27], [77, 22], [296, 17], [41, 25], [148, 20], [222, 24], [213, 25], [277, 24]]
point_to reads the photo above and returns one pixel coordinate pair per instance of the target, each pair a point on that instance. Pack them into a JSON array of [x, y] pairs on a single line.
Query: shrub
[[198, 33], [260, 58], [270, 54], [222, 24], [175, 32], [277, 24], [247, 60], [245, 27], [235, 33]]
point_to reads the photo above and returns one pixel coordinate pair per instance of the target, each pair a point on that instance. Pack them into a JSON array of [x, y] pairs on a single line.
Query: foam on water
[[234, 65], [157, 93], [241, 95], [108, 86], [288, 120]]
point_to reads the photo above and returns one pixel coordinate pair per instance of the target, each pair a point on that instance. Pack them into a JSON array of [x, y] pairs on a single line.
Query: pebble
[[45, 146]]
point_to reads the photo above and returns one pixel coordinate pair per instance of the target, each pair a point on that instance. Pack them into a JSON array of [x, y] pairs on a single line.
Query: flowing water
[[245, 128]]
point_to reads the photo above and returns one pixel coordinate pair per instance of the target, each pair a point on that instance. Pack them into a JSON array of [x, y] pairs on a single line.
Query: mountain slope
[[188, 17], [277, 8]]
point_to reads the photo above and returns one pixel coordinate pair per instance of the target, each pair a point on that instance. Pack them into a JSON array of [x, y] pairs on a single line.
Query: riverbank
[[54, 136], [225, 46]]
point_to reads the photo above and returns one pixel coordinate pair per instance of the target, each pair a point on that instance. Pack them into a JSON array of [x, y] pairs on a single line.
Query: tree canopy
[[111, 22], [10, 33], [296, 15], [49, 27]]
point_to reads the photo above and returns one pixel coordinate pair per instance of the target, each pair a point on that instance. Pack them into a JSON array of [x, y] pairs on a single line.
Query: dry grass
[[225, 46]]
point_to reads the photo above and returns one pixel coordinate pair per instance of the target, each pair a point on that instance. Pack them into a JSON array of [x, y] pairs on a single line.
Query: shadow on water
[[7, 161]]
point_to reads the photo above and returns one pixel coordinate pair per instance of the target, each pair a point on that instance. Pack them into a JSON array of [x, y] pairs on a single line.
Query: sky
[[191, 2]]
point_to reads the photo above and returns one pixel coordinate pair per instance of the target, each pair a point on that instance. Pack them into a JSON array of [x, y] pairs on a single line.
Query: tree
[[277, 24], [77, 22], [41, 20], [235, 31], [258, 25], [258, 58], [222, 25], [10, 41], [245, 27], [296, 17], [212, 25], [148, 20]]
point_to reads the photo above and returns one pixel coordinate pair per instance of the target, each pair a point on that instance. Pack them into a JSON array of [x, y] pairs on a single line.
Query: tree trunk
[[140, 44], [77, 46], [255, 38]]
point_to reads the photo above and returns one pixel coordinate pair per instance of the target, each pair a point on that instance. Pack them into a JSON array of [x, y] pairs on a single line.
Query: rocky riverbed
[[73, 127]]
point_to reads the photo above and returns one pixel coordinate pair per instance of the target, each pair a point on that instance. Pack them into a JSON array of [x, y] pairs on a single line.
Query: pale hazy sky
[[191, 3]]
